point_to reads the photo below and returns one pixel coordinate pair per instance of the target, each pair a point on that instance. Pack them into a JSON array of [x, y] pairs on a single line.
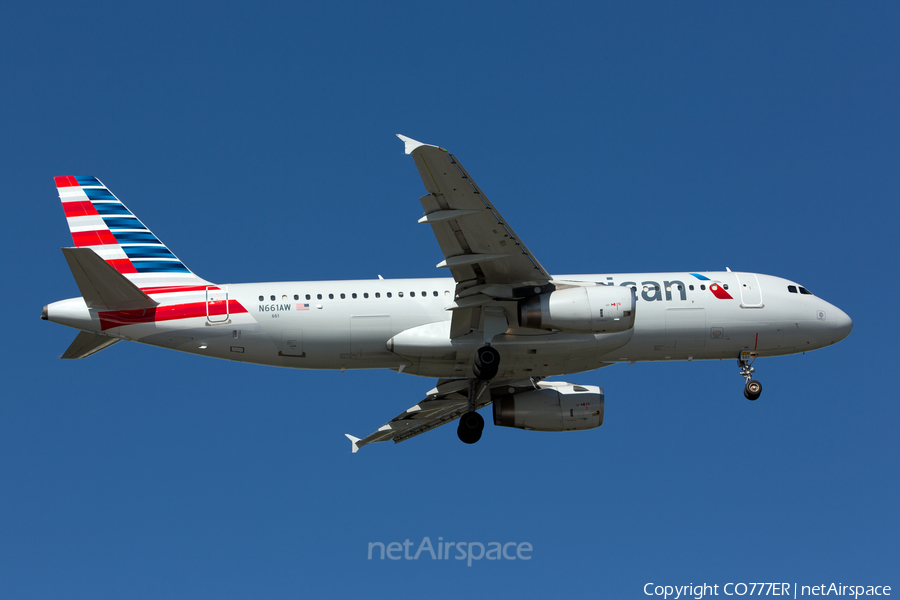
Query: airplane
[[492, 333]]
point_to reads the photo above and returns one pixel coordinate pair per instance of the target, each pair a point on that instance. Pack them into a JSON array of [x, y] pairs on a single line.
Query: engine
[[556, 406], [598, 309]]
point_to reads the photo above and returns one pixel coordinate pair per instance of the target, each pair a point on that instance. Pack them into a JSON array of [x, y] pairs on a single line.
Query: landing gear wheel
[[487, 363], [470, 427], [752, 390]]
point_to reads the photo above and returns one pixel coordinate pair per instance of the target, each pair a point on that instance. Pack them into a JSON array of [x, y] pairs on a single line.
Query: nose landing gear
[[753, 388]]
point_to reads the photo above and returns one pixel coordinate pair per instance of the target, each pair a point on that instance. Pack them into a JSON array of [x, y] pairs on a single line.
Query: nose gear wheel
[[753, 388]]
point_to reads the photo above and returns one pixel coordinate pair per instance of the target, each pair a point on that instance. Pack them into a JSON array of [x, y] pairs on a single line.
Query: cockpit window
[[792, 289], [803, 290]]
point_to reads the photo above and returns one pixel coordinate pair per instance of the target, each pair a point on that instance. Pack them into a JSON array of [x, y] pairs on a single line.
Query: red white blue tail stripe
[[99, 220]]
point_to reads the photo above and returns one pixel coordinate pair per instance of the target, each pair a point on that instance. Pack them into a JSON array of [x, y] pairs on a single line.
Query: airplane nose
[[835, 324], [843, 323]]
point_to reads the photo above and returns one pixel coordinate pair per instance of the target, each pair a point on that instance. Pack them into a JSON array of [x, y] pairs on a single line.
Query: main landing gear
[[471, 424], [753, 388], [487, 362], [470, 427]]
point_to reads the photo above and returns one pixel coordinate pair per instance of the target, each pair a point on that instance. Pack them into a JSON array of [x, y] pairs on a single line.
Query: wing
[[485, 256], [445, 403], [479, 246]]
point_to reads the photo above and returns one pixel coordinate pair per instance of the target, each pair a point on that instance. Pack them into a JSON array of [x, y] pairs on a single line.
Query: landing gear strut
[[753, 388], [471, 424]]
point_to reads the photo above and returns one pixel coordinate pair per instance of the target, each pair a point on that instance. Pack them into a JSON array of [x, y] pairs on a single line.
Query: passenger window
[[284, 297], [803, 290], [296, 296], [353, 295], [691, 287], [307, 297], [272, 297], [378, 294], [399, 294], [318, 296], [446, 292], [343, 296], [703, 287], [792, 289], [388, 294], [261, 298], [435, 293], [365, 294], [331, 296], [725, 286], [412, 294], [424, 294]]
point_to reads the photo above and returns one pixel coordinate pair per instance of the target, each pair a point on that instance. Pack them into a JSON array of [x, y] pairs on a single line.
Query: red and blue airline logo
[[715, 287]]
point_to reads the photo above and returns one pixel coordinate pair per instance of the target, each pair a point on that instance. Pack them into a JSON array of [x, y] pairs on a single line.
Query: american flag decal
[[303, 307]]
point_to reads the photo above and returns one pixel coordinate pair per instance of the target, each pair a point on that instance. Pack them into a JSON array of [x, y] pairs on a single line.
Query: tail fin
[[97, 219]]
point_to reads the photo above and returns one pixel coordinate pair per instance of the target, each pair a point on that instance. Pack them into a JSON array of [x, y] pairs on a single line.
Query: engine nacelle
[[598, 309], [557, 406]]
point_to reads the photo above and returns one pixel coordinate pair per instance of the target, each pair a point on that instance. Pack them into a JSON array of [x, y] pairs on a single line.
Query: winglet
[[354, 441], [411, 144]]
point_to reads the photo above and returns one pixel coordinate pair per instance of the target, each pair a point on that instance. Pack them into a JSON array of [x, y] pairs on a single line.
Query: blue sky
[[258, 143]]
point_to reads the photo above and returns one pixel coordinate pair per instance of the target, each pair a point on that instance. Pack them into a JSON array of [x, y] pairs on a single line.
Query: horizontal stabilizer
[[86, 343], [101, 285]]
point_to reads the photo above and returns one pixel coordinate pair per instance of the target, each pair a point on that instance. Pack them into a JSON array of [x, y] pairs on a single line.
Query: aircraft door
[[217, 304], [751, 294]]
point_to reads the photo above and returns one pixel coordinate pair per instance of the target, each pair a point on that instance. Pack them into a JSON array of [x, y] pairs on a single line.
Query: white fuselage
[[402, 324]]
